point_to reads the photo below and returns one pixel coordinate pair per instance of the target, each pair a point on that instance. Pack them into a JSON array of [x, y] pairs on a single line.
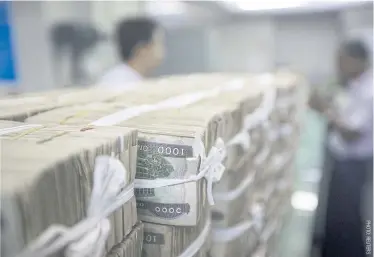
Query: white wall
[[187, 51], [105, 14], [258, 44], [242, 46], [57, 11], [31, 48], [307, 42], [358, 23]]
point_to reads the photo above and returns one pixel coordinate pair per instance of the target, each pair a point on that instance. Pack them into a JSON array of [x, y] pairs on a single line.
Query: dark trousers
[[344, 233]]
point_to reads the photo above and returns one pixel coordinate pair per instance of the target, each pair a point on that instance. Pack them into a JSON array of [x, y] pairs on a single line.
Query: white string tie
[[224, 235], [242, 138], [196, 245], [257, 212], [238, 191], [266, 149], [88, 237], [211, 168], [262, 113], [256, 222]]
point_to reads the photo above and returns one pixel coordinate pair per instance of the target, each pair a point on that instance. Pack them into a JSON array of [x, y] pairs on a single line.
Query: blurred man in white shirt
[[140, 44], [350, 147]]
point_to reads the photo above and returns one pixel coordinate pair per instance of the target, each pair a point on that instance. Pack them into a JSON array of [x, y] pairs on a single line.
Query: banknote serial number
[[166, 210], [164, 150], [171, 150], [153, 238]]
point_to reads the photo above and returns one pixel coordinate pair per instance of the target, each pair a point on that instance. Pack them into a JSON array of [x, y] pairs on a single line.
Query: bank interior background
[[201, 36]]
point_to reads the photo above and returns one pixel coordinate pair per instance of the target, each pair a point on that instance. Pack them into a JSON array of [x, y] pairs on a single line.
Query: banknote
[[170, 241], [157, 240], [165, 157], [131, 245]]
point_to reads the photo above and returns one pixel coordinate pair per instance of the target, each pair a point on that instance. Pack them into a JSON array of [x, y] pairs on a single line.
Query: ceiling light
[[165, 7], [266, 5]]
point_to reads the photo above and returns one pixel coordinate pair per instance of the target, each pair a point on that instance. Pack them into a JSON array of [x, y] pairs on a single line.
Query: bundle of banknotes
[[199, 148], [131, 245], [171, 142], [22, 106], [47, 179], [247, 215]]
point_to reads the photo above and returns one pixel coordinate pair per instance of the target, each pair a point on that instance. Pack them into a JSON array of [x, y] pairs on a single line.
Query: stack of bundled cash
[[193, 131], [236, 232], [274, 186], [253, 212], [175, 142], [53, 176], [131, 245], [18, 108]]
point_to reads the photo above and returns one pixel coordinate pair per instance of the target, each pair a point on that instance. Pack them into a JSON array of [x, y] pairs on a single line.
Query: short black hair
[[132, 32], [356, 49]]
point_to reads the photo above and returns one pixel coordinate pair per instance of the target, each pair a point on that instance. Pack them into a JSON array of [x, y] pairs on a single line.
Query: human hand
[[319, 102], [331, 115]]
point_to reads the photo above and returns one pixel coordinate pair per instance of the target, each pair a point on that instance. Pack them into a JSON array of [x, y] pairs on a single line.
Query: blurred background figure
[[349, 151], [140, 44], [72, 43]]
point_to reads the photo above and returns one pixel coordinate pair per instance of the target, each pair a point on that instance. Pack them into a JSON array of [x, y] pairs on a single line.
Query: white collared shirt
[[120, 77], [356, 110]]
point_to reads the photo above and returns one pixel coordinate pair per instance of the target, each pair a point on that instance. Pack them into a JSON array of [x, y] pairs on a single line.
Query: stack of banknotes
[[256, 194], [47, 179], [22, 106], [202, 155]]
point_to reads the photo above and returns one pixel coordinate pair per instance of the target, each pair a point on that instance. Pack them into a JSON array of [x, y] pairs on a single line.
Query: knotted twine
[[87, 238]]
